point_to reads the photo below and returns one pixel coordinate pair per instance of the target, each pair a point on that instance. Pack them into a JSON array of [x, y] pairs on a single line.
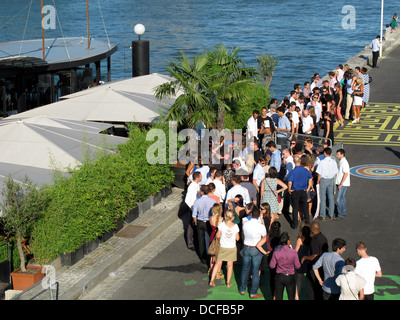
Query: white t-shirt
[[252, 126], [343, 168], [228, 235], [235, 190], [295, 117], [220, 189], [193, 192], [367, 268], [258, 174], [317, 109], [307, 122], [253, 231]]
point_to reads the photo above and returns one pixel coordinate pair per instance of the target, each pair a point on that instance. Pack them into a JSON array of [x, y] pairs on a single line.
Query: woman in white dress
[[358, 92], [228, 233]]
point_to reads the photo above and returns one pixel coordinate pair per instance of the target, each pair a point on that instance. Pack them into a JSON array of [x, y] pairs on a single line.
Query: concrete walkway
[[84, 275], [79, 279]]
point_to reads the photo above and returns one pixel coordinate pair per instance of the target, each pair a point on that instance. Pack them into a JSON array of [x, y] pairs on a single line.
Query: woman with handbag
[[215, 219], [228, 234], [269, 192]]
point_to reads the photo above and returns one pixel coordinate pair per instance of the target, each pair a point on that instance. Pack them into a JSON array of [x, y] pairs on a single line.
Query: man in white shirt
[[253, 232], [192, 193], [308, 122], [375, 47], [340, 72], [220, 189], [295, 117], [342, 182], [317, 107], [294, 97], [288, 161], [369, 268], [252, 125], [259, 173], [327, 169], [205, 173], [237, 189]]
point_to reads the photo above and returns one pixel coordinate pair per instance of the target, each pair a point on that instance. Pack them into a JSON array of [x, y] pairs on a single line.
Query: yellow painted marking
[[397, 124], [380, 125]]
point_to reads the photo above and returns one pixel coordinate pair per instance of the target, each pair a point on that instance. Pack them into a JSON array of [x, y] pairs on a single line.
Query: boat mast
[[87, 18], [42, 33]]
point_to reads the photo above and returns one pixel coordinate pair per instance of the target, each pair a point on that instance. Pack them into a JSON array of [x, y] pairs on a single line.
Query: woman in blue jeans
[[253, 232]]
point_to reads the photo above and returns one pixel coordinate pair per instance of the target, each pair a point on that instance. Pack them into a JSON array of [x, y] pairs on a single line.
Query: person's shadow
[[396, 153]]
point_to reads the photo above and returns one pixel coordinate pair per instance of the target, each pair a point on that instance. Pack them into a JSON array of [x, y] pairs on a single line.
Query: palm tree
[[267, 64], [230, 78], [192, 78]]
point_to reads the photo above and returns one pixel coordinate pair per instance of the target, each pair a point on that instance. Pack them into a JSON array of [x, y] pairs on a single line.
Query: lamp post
[[140, 53], [380, 40]]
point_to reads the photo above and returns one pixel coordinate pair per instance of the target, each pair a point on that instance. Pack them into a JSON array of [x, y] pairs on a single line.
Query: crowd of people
[[240, 200]]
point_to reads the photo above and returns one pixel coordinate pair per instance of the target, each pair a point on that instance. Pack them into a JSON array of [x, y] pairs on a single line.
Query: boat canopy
[[60, 53]]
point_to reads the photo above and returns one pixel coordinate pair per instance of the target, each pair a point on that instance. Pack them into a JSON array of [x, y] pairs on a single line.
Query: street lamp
[[139, 29], [140, 53], [380, 40]]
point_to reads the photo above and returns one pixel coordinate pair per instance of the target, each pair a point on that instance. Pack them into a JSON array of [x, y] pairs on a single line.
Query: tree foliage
[[266, 65], [21, 207], [209, 83]]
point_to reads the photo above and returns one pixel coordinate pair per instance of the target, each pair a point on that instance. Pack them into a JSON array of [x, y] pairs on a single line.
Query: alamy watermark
[[349, 20], [49, 17], [209, 145]]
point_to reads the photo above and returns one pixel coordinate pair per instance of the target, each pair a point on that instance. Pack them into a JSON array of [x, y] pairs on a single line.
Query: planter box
[[5, 271], [132, 215], [88, 247], [166, 191], [23, 281], [144, 206], [156, 199], [180, 177], [69, 259], [9, 294], [119, 225]]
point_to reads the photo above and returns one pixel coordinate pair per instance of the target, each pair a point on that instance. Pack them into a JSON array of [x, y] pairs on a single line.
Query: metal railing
[[39, 291], [300, 137]]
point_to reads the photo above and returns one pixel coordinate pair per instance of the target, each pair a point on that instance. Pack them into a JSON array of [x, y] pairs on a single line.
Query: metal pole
[[9, 261], [43, 33], [87, 23], [380, 40]]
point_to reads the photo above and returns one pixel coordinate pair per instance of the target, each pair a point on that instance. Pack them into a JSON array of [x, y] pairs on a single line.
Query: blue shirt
[[332, 264], [299, 177], [275, 118], [349, 88], [202, 208], [276, 160], [283, 123]]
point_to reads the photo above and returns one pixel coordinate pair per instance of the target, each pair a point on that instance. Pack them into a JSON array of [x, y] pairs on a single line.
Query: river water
[[307, 36]]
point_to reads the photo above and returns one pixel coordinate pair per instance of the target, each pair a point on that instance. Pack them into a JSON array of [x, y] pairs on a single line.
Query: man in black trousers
[[375, 46]]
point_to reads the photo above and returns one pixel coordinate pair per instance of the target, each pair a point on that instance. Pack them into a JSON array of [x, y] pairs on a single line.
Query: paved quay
[[75, 281], [372, 202]]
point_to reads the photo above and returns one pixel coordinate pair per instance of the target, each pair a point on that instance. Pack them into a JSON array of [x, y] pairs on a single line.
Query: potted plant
[[21, 206]]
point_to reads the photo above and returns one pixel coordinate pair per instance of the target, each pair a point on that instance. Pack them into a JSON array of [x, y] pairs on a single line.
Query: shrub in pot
[[21, 206]]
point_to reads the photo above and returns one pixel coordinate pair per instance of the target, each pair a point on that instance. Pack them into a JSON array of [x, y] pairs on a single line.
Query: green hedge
[[89, 203], [258, 97]]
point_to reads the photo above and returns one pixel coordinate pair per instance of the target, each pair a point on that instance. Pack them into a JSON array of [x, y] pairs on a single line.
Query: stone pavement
[[75, 281], [162, 224]]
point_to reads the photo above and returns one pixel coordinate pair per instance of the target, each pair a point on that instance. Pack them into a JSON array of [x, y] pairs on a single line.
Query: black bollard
[[140, 57]]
